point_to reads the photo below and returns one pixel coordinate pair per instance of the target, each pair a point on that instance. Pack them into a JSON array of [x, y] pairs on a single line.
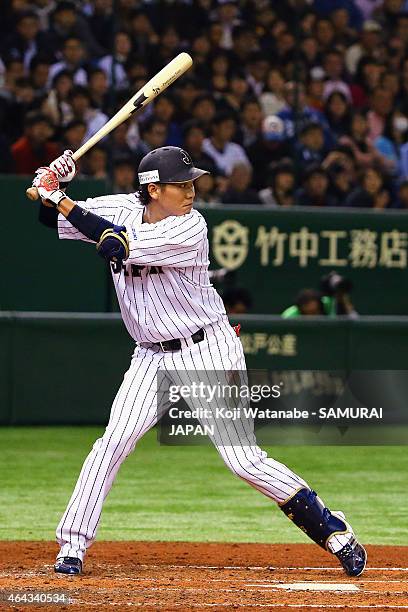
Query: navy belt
[[178, 343]]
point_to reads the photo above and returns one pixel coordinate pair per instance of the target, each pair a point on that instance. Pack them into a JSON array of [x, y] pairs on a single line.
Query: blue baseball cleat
[[353, 558], [68, 565]]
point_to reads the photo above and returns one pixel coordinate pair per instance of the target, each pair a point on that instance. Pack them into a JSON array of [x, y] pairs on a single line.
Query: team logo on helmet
[[186, 158]]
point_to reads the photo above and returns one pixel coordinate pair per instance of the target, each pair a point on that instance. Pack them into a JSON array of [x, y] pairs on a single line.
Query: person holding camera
[[332, 300]]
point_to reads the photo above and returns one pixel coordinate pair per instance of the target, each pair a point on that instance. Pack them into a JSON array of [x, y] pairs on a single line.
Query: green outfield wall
[[61, 368], [273, 253]]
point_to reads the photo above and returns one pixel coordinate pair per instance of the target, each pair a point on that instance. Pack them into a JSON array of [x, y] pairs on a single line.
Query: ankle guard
[[307, 511]]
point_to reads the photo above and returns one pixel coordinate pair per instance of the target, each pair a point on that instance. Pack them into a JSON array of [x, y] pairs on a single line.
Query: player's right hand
[[47, 184], [64, 166]]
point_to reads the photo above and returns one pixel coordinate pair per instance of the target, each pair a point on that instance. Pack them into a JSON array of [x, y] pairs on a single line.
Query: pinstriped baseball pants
[[137, 408]]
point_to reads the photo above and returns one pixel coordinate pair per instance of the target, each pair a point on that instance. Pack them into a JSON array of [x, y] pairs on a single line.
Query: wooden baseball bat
[[165, 77]]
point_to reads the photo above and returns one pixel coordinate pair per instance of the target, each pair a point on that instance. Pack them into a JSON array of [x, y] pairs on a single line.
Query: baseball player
[[157, 246]]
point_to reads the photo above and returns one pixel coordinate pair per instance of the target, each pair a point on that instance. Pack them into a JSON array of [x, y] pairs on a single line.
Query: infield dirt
[[193, 576]]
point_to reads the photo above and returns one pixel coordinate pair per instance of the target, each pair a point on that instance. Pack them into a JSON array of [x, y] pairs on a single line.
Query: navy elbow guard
[[308, 512], [114, 244], [90, 225]]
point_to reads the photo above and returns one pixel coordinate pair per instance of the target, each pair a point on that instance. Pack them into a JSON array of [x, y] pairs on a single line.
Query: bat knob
[[32, 193]]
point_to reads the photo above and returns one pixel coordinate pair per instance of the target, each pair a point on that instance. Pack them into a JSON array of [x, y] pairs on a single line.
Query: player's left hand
[[114, 244], [65, 167]]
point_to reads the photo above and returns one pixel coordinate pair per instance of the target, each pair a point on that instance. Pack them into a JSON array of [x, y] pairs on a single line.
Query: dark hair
[[313, 169], [39, 59], [310, 126], [192, 124], [235, 295], [73, 124], [201, 98], [222, 116], [123, 161], [79, 90], [34, 117], [143, 194], [65, 5], [59, 75], [26, 14], [305, 296], [72, 37], [147, 125]]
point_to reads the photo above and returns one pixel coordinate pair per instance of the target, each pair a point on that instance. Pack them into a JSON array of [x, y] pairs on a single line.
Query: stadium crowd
[[288, 102]]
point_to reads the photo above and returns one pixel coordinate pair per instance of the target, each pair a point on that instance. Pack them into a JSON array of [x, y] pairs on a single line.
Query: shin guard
[[308, 512]]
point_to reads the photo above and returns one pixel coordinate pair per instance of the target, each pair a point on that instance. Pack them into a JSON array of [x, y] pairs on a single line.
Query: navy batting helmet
[[168, 165]]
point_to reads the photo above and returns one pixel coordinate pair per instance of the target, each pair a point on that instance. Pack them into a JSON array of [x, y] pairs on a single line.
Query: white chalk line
[[269, 567], [159, 605]]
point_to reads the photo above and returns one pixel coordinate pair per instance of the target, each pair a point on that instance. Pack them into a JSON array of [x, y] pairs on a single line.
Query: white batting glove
[[64, 166], [47, 184]]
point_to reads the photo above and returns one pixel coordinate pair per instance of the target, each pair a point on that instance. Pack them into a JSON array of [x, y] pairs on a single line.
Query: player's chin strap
[[308, 512]]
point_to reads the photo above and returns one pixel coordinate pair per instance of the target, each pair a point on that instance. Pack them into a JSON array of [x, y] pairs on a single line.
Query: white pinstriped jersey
[[163, 288]]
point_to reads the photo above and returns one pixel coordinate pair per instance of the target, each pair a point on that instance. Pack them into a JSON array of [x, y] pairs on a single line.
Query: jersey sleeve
[[173, 242], [114, 208]]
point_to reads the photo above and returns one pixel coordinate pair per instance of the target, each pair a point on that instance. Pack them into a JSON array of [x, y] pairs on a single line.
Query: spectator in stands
[[341, 184], [153, 134], [315, 188], [27, 40], [204, 110], [368, 45], [73, 135], [338, 112], [95, 163], [124, 176], [225, 153], [57, 105], [189, 89], [206, 191], [381, 104], [309, 303], [39, 72], [73, 56], [193, 141], [98, 89], [389, 144], [34, 148], [272, 99], [315, 88], [66, 21], [271, 146], [250, 123], [311, 147], [333, 66], [238, 189], [258, 66], [164, 109], [142, 34], [359, 142], [114, 64], [295, 98], [238, 88], [80, 102], [121, 144], [281, 186], [373, 193], [345, 34], [237, 300]]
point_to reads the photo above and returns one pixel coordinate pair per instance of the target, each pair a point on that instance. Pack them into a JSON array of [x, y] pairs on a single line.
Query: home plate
[[312, 586]]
